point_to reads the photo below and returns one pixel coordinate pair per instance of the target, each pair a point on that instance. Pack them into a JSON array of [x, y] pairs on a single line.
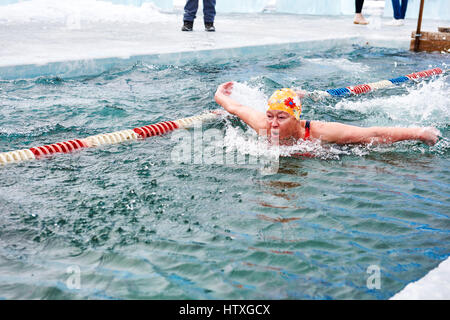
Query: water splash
[[248, 143], [253, 97], [343, 64], [424, 104]]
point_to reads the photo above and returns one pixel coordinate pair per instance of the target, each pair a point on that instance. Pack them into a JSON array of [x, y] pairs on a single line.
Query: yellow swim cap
[[286, 100]]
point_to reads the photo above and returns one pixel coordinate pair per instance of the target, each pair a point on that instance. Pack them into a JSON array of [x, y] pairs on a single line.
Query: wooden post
[[429, 41], [419, 25]]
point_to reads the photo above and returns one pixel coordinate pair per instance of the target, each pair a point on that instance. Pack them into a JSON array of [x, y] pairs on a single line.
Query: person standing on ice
[[282, 123], [399, 12], [190, 12]]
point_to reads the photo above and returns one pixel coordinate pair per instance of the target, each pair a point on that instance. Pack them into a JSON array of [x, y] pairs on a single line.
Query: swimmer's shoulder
[[323, 130], [315, 127], [335, 132]]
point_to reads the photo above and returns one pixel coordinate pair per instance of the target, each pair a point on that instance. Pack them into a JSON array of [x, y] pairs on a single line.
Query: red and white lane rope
[[364, 88], [105, 139]]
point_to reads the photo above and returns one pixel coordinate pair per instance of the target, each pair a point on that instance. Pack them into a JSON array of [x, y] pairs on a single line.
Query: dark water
[[137, 225]]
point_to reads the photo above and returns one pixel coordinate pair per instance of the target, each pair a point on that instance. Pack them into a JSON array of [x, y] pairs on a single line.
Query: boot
[[188, 26], [209, 26]]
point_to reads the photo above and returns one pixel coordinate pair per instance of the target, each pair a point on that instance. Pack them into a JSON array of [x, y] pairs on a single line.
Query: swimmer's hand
[[222, 97], [429, 135], [225, 88]]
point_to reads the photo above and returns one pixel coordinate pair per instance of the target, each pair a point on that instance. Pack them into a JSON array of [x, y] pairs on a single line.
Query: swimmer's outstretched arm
[[253, 118], [342, 134]]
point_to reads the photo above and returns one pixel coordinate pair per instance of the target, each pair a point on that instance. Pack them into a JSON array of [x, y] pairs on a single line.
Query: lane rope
[[365, 88], [106, 139]]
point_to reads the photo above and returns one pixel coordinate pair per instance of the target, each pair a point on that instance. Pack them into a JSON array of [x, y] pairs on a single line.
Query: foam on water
[[248, 143], [424, 104], [340, 63]]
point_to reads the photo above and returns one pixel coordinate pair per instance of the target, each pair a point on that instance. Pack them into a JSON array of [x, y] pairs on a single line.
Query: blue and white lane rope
[[364, 88]]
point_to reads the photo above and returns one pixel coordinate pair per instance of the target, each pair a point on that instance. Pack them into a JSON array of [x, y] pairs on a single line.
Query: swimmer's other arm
[[255, 119], [339, 133]]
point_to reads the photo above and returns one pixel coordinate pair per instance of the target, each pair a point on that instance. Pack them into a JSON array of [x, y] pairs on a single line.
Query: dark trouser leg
[[403, 10], [209, 10], [358, 5], [190, 10], [396, 7]]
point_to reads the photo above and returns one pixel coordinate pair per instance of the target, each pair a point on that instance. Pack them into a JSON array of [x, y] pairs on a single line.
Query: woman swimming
[[282, 122]]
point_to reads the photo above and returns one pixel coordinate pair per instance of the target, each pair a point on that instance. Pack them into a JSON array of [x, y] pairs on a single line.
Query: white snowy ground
[[45, 31], [434, 286]]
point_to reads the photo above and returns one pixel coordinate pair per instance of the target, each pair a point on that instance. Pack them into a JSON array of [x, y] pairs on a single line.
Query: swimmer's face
[[280, 124]]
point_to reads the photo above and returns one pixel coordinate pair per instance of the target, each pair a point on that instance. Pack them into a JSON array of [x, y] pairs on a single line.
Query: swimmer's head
[[283, 115], [286, 100]]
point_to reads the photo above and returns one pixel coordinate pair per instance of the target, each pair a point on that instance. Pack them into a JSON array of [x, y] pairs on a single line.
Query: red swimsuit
[[307, 137], [307, 129]]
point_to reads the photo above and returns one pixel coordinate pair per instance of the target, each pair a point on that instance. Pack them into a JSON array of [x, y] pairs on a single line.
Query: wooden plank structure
[[430, 41]]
